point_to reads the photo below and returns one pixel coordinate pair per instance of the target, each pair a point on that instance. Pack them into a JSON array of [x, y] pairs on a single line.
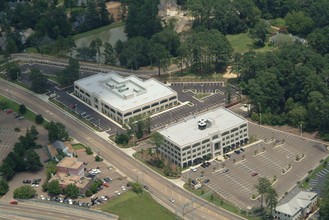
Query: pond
[[111, 36]]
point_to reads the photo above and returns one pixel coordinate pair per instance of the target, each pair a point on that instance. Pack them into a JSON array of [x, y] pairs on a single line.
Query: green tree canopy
[[24, 192], [54, 188], [4, 187], [38, 81], [71, 191]]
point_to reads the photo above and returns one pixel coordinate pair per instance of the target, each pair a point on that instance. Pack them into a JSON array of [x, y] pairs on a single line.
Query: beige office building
[[122, 98], [210, 133]]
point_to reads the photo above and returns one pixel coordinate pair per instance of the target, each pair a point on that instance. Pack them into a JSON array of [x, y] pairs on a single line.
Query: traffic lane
[[120, 159], [25, 209]]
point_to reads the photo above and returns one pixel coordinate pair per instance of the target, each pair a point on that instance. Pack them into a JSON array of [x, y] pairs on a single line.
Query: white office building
[[122, 98], [296, 207], [210, 133]]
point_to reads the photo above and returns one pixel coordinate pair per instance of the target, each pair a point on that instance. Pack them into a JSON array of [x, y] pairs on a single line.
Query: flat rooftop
[[124, 93], [64, 179], [69, 162], [187, 131]]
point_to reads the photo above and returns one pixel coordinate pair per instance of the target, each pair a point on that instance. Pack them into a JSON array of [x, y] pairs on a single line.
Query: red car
[[106, 184], [254, 174], [9, 111]]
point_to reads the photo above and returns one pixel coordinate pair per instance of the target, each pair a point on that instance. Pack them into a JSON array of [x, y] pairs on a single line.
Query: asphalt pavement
[[161, 188]]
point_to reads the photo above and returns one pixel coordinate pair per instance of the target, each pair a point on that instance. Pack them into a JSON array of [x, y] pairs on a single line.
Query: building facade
[[70, 166], [124, 98], [208, 135], [297, 207]]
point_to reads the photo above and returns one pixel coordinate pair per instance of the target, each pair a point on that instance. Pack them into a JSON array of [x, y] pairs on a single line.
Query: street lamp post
[[287, 162], [301, 129]]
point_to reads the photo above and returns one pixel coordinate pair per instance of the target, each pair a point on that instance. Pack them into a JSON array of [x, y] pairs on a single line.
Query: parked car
[[26, 181], [254, 174], [172, 200], [206, 181], [237, 152], [228, 156], [123, 188], [146, 187], [106, 184], [193, 169], [242, 149], [21, 118], [194, 182], [9, 111], [225, 170]]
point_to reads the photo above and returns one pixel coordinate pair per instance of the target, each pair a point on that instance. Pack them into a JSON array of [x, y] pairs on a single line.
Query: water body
[[111, 36]]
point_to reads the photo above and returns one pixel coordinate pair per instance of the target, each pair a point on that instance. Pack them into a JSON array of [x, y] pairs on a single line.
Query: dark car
[[208, 164], [206, 181], [194, 182], [26, 181], [241, 149], [237, 152], [228, 156], [146, 187], [203, 165]]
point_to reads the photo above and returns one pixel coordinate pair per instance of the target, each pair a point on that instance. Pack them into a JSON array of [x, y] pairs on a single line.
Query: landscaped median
[[131, 205]]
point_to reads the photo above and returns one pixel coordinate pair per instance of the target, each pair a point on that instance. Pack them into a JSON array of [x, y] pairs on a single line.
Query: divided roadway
[[161, 188]]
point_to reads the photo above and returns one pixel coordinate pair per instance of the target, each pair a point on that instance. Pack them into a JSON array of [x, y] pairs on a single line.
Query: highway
[[186, 205], [29, 210]]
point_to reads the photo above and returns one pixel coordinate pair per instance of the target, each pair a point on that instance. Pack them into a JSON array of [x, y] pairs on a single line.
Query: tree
[[262, 186], [13, 70], [271, 199], [259, 32], [299, 23], [95, 45], [24, 192], [32, 160], [4, 187], [109, 54], [38, 81], [157, 139], [159, 55], [71, 191], [39, 119], [34, 132], [22, 109], [56, 131], [137, 187], [54, 188], [68, 75]]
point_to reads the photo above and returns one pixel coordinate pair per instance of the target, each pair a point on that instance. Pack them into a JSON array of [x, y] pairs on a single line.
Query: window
[[195, 145], [234, 129], [225, 133], [205, 141], [215, 137]]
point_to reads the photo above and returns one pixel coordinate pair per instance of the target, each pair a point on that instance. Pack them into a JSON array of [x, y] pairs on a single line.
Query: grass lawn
[[219, 202], [242, 43], [138, 207], [98, 30], [78, 146]]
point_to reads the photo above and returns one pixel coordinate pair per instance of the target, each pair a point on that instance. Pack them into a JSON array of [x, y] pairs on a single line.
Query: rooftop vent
[[202, 124]]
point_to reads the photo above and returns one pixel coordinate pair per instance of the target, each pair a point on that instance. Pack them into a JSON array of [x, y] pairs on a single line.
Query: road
[[186, 205], [28, 210]]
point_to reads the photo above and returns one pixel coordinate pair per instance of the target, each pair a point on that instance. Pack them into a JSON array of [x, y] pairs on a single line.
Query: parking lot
[[266, 158]]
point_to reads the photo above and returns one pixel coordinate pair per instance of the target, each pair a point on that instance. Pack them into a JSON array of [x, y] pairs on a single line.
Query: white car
[[117, 193], [193, 169], [172, 200], [104, 198], [123, 188], [70, 201]]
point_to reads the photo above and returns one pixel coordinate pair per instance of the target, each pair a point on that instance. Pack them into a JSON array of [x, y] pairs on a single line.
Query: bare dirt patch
[[229, 74]]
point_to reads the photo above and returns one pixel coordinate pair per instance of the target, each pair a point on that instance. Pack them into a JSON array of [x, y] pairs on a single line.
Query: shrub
[[24, 192], [88, 193], [39, 119], [22, 109], [4, 187], [89, 151], [98, 159], [122, 139]]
